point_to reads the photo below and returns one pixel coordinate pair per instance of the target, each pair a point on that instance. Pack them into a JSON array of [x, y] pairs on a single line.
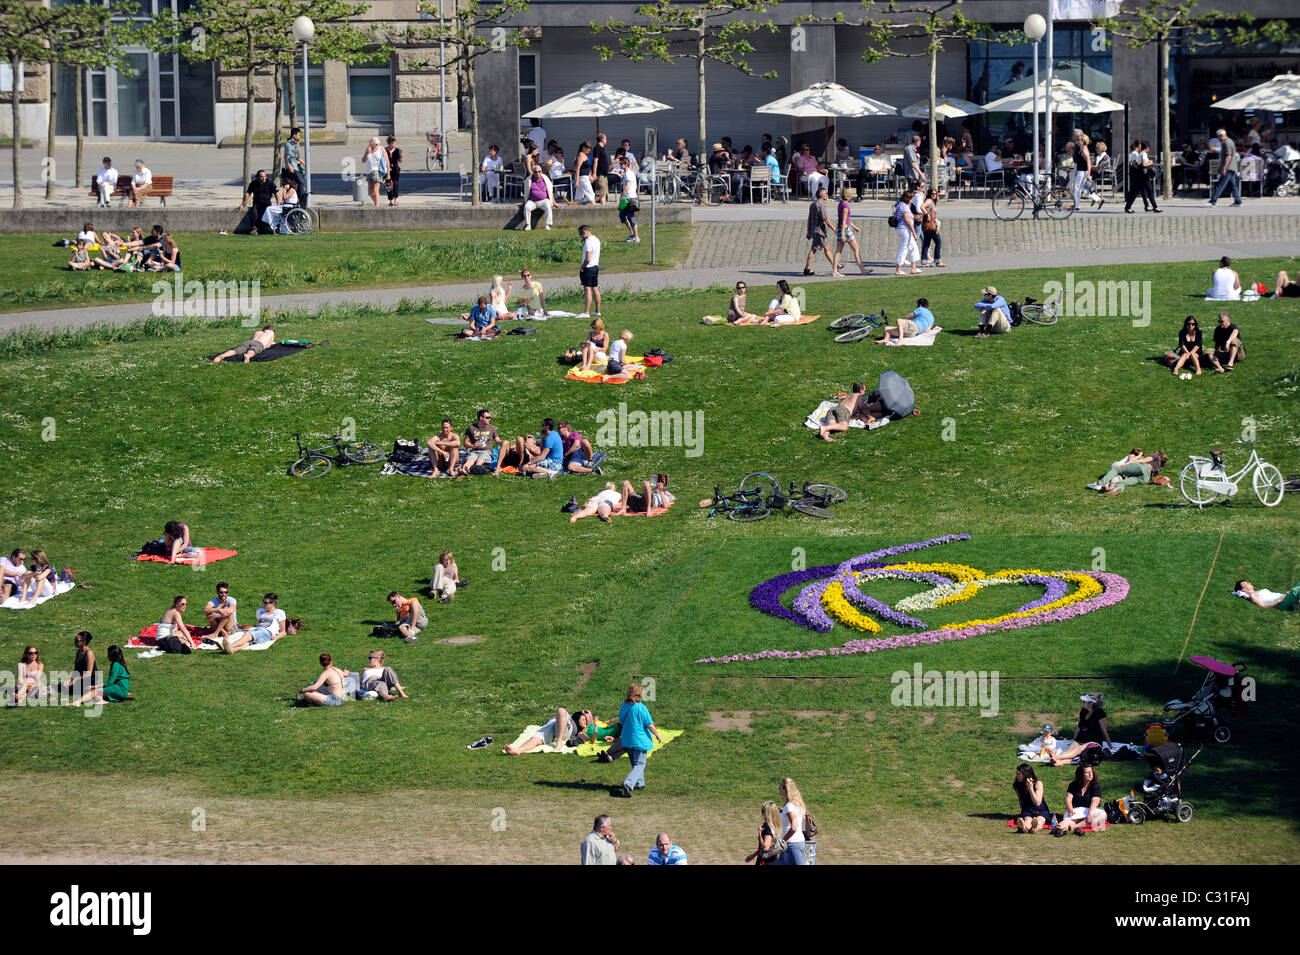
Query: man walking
[[589, 272], [1229, 170], [600, 847], [912, 163], [818, 227]]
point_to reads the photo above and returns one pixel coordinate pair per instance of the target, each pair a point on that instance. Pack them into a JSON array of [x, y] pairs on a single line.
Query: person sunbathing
[[654, 496], [110, 256], [260, 342], [1092, 729], [784, 310], [328, 688], [596, 348], [602, 505], [31, 677], [444, 450], [381, 680], [41, 579], [560, 731], [411, 618], [500, 295], [173, 634], [737, 313], [176, 542], [1268, 598], [844, 412]]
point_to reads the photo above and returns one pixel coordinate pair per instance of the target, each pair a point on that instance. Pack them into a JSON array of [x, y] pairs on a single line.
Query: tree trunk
[[475, 199], [250, 101], [15, 103], [48, 173], [279, 109], [934, 126], [699, 76], [79, 99], [1166, 160]]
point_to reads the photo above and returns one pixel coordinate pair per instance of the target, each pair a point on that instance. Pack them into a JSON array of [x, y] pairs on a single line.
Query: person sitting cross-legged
[[444, 450]]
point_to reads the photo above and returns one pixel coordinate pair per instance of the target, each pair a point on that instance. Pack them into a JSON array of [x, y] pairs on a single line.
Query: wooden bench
[[160, 187]]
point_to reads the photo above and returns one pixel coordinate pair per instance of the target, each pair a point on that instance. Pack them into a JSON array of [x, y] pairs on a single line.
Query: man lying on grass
[[1268, 598], [250, 349]]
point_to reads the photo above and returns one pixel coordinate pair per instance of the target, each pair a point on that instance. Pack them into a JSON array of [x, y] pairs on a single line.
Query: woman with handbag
[[904, 223], [628, 206], [930, 229], [375, 163], [770, 843]]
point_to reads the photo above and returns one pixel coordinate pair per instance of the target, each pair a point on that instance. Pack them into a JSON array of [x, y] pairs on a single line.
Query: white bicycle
[[1206, 480]]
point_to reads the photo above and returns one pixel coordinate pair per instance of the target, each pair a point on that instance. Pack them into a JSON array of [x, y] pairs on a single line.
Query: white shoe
[[636, 239], [583, 315], [548, 228]]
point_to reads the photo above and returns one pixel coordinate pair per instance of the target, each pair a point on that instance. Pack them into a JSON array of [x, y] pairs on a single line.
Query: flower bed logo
[[656, 429], [951, 688], [195, 299], [1088, 299], [832, 594]]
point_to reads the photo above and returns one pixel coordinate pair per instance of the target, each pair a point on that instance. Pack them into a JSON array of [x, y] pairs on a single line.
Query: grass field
[[320, 261], [1010, 431]]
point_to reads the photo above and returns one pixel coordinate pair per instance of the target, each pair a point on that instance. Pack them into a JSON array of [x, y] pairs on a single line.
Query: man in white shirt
[[993, 165], [601, 846], [271, 625], [589, 272], [221, 613], [106, 182], [140, 184], [538, 134]]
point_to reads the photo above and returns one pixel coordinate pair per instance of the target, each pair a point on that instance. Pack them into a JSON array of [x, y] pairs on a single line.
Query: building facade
[[172, 99]]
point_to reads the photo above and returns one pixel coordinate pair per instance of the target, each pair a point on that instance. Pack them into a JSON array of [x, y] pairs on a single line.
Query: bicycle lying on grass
[[856, 327], [759, 494], [1206, 480], [1039, 313], [318, 462]]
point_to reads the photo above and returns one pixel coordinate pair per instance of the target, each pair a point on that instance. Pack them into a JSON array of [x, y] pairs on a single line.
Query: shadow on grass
[[577, 784]]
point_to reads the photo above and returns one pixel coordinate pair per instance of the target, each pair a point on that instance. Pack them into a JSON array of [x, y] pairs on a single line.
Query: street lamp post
[[1035, 27], [303, 31]]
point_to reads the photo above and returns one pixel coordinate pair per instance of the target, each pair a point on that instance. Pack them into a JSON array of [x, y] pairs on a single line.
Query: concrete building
[[171, 99]]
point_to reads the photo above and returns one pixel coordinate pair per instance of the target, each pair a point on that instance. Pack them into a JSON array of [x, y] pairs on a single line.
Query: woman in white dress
[[276, 216]]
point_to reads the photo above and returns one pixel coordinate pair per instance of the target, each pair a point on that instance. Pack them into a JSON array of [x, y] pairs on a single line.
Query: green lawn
[[321, 261], [146, 432]]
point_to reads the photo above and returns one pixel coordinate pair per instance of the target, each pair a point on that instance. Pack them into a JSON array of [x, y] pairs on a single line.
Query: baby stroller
[[1162, 791], [1199, 715], [1280, 173]]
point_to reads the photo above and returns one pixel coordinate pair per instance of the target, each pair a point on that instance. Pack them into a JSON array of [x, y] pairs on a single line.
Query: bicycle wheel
[[311, 466], [750, 512], [298, 221], [1059, 203], [848, 321], [811, 509], [1038, 314], [1268, 484], [1008, 204], [761, 482], [828, 492], [855, 334], [364, 452], [1189, 483], [428, 160]]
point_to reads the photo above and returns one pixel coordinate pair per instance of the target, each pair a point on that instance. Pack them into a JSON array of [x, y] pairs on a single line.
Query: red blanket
[[148, 636], [210, 555]]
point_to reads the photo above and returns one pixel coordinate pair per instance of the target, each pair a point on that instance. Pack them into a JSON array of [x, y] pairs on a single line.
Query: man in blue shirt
[[920, 321], [546, 453], [994, 314], [769, 160], [665, 853]]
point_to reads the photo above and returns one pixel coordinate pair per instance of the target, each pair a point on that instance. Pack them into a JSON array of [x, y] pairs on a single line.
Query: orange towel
[[210, 555]]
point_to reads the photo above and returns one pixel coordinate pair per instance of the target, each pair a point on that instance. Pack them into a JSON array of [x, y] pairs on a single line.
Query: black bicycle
[[856, 327], [318, 462], [760, 493]]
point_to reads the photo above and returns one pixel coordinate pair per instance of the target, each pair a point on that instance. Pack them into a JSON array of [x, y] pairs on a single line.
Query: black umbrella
[[896, 394]]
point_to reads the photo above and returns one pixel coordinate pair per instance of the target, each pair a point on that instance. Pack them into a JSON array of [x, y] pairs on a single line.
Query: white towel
[[60, 587], [821, 417], [924, 339]]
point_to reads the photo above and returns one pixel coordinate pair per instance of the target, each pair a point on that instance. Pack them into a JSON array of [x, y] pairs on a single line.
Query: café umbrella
[[1066, 98], [827, 100], [1281, 94], [595, 100], [945, 107]]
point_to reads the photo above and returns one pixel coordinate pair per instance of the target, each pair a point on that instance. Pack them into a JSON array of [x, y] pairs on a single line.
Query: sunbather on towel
[[1267, 598], [844, 412], [13, 574], [1092, 728], [482, 319], [737, 313], [259, 343], [653, 495], [328, 688], [596, 348], [42, 579], [177, 543], [173, 634], [562, 727], [602, 505], [481, 439], [920, 321], [783, 310], [272, 624]]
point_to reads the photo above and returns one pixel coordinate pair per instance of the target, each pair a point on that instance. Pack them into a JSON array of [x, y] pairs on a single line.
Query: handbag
[[893, 221]]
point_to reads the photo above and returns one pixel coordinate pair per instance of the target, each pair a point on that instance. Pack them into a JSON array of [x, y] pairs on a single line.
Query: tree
[[1169, 22], [254, 36], [915, 22], [463, 35], [30, 34], [716, 30]]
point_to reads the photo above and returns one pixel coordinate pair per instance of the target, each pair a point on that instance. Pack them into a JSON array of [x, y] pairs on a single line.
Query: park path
[[762, 251]]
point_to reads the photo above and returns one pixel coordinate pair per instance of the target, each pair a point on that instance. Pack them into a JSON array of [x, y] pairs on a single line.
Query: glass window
[[316, 80], [528, 67], [370, 94], [196, 99], [133, 97]]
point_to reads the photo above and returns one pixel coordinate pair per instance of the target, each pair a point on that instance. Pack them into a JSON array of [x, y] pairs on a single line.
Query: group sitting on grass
[[335, 685], [228, 635], [31, 684], [482, 450], [156, 252], [1189, 351], [495, 306], [611, 501], [28, 582]]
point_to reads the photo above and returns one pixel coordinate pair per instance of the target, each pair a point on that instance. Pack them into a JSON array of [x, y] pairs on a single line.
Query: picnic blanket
[[821, 417], [654, 512], [210, 555], [925, 339], [147, 638], [278, 350], [1031, 752], [596, 374], [447, 321], [589, 748], [60, 587], [720, 320], [420, 466]]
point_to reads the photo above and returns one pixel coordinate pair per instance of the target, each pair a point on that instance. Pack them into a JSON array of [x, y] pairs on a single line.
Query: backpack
[[404, 451], [809, 827], [571, 356], [1017, 314], [522, 331]]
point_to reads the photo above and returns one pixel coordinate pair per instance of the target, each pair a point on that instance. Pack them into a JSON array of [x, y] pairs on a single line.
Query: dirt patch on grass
[[462, 640], [1030, 725], [738, 721], [954, 782], [587, 670], [819, 714], [927, 719], [795, 745]]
